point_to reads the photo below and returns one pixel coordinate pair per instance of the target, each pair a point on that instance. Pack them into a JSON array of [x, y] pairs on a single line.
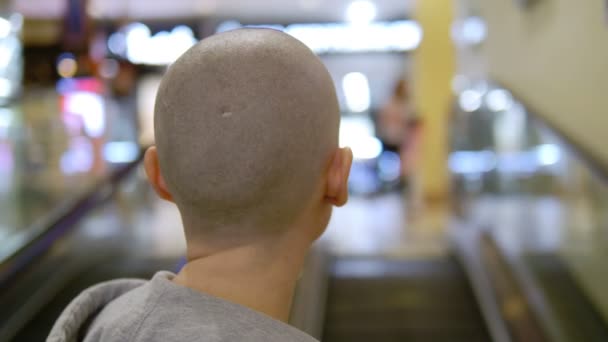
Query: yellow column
[[434, 64]]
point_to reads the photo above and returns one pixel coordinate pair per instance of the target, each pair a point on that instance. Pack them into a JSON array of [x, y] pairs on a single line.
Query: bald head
[[245, 124]]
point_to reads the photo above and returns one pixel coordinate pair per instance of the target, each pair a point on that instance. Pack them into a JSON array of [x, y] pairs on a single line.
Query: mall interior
[[478, 203]]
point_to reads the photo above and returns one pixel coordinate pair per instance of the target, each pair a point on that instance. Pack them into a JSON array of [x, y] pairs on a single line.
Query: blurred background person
[[393, 118]]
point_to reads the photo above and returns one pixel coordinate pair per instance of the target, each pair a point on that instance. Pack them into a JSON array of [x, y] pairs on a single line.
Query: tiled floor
[[379, 226]]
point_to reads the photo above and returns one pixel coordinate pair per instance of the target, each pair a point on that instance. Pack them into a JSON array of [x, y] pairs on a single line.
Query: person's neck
[[261, 275]]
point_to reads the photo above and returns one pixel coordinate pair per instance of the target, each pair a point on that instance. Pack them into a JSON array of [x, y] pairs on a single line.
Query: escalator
[[356, 298], [372, 299], [401, 300], [532, 203]]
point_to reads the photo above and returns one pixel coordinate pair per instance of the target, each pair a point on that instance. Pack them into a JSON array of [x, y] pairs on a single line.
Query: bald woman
[[247, 148]]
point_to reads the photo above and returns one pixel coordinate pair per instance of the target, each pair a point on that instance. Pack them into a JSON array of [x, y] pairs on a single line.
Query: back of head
[[245, 123]]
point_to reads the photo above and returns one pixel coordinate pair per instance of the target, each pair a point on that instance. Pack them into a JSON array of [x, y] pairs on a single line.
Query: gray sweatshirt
[[160, 310]]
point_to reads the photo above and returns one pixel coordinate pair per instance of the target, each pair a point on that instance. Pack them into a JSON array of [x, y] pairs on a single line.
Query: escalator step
[[421, 300]]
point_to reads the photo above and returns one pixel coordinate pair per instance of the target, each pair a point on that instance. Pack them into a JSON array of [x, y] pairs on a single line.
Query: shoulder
[[163, 311], [183, 314], [84, 307]]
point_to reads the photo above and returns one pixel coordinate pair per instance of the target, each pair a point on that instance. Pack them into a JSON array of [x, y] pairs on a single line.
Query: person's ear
[[155, 178], [336, 191]]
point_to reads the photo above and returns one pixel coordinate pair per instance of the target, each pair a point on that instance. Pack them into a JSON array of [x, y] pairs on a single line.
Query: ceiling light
[[470, 100], [361, 12], [499, 100], [356, 91]]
